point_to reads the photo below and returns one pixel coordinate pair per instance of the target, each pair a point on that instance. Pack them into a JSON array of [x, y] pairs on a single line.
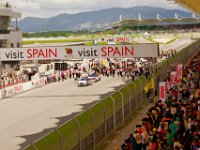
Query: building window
[[11, 45], [57, 66], [18, 45]]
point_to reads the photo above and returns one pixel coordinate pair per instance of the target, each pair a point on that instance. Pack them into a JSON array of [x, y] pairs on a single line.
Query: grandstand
[[160, 22]]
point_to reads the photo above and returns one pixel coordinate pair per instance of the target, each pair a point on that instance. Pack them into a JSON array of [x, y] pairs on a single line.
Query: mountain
[[94, 19]]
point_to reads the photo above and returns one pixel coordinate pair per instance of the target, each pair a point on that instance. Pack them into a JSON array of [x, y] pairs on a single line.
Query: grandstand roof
[[159, 20], [192, 4]]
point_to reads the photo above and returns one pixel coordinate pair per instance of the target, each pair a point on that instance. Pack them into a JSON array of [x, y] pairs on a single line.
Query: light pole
[[92, 38]]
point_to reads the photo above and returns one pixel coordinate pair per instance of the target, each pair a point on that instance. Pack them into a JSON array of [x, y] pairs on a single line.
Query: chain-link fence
[[90, 128], [181, 57]]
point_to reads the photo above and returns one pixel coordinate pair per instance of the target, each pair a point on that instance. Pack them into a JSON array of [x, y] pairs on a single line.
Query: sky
[[50, 8]]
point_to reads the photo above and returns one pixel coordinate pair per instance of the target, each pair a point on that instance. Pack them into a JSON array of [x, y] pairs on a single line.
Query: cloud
[[49, 8]]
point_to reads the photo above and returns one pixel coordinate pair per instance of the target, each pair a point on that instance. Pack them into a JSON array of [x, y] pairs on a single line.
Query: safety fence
[[21, 87], [180, 58], [90, 128]]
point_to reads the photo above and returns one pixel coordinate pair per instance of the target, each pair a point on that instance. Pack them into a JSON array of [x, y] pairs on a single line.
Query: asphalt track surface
[[178, 44], [30, 115], [45, 108]]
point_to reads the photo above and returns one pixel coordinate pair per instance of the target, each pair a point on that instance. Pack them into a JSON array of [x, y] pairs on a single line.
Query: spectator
[[178, 121]]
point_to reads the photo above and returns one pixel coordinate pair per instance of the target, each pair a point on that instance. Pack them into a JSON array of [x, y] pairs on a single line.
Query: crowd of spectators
[[118, 68], [131, 71], [126, 69], [12, 78], [167, 53], [175, 123]]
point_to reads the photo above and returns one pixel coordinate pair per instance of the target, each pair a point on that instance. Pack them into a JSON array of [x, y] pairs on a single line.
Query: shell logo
[[69, 51]]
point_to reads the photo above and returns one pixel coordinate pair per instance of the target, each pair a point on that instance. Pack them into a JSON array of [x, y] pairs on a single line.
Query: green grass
[[30, 148], [85, 120], [118, 43], [85, 39], [169, 42], [99, 43], [118, 101], [108, 102], [126, 96], [89, 43], [50, 142], [154, 41], [70, 134], [151, 39], [98, 111], [102, 43], [53, 41], [137, 83]]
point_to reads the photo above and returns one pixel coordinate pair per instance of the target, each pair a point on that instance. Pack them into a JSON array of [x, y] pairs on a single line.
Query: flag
[[173, 77], [162, 91]]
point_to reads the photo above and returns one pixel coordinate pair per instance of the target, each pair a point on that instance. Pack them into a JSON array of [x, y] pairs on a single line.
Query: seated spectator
[[176, 124], [170, 139]]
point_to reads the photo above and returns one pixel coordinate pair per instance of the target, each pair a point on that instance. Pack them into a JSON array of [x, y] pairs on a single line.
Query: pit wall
[[90, 128], [22, 87]]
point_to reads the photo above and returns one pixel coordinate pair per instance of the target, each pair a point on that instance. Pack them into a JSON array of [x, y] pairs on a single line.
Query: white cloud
[[48, 8]]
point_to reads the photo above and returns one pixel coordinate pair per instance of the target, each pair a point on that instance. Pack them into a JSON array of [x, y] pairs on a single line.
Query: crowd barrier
[[90, 128], [180, 58], [22, 87]]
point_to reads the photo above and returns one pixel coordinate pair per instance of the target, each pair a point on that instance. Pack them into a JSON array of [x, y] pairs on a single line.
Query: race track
[[33, 111], [38, 109]]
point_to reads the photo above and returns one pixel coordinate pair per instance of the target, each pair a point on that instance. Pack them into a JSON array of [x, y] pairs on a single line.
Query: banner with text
[[162, 91], [80, 52], [116, 39], [173, 77], [179, 70]]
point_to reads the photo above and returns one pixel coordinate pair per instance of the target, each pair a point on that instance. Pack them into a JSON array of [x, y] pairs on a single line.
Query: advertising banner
[[167, 85], [179, 70], [19, 88], [35, 83], [12, 90], [80, 52], [115, 39], [41, 53], [162, 91], [173, 77], [27, 86], [106, 39], [35, 77]]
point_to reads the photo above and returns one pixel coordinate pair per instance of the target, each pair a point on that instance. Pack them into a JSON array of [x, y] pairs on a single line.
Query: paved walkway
[[123, 134]]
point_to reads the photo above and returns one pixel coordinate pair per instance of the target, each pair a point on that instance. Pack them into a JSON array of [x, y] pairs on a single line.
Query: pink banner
[[162, 91], [179, 70], [173, 77]]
